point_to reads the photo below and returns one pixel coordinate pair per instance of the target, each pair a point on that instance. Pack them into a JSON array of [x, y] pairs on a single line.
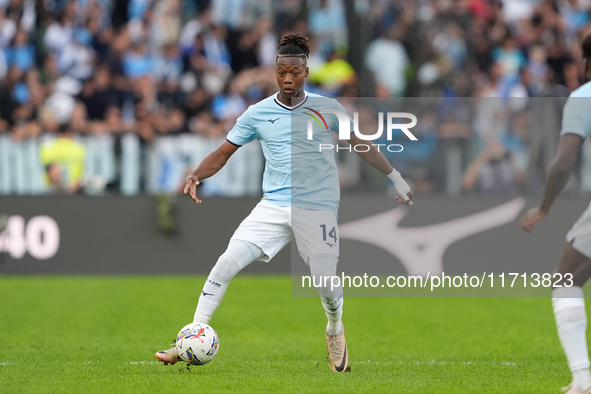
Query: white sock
[[201, 318], [238, 255], [333, 307], [322, 266], [571, 321]]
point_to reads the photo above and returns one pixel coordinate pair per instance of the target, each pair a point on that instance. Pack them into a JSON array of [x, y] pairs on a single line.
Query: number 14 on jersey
[[332, 233]]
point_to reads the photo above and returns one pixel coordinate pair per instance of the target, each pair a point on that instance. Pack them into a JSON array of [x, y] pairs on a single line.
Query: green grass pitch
[[99, 335]]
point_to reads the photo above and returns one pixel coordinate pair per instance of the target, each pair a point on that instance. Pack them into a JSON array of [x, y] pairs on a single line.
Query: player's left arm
[[377, 160], [557, 177]]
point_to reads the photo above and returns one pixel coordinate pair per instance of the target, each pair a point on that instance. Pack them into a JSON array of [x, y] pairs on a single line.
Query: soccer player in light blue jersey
[[574, 267], [303, 183]]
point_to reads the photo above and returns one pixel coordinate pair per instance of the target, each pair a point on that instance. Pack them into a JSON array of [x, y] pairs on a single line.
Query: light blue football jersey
[[576, 115], [296, 173]]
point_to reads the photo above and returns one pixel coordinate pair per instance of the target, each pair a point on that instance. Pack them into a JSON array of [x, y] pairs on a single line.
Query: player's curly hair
[[293, 44]]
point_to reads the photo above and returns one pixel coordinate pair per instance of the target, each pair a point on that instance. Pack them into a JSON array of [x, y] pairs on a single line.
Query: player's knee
[[224, 268], [323, 264], [238, 255]]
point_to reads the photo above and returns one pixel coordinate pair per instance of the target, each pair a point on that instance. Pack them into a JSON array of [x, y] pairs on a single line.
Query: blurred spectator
[[63, 159], [137, 8], [7, 29], [3, 66], [575, 16], [168, 69], [77, 57], [243, 50], [480, 52], [20, 53], [229, 105], [215, 48], [493, 171], [193, 28], [49, 71], [537, 68], [197, 102], [166, 24], [59, 33], [333, 75], [267, 43], [137, 62], [386, 57], [23, 13], [97, 94], [558, 58], [327, 22], [140, 28], [516, 10], [450, 44], [127, 84], [228, 12], [254, 11], [509, 57], [523, 88]]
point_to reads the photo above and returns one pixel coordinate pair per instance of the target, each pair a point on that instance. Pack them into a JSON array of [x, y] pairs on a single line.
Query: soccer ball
[[197, 343]]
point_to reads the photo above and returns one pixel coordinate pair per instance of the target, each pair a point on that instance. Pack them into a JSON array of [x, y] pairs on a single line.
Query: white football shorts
[[271, 227], [580, 233]]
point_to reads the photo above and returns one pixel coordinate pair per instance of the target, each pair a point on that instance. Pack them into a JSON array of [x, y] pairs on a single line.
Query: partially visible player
[[569, 302], [271, 225]]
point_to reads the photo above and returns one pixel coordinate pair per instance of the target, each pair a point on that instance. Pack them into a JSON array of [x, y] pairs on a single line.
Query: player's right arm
[[377, 160], [558, 175], [208, 167], [242, 133], [576, 126]]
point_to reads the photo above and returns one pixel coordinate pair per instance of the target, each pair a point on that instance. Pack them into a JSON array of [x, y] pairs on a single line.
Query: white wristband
[[400, 184]]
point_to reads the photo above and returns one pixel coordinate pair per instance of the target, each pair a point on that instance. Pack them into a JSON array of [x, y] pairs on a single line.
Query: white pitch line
[[435, 362], [314, 363]]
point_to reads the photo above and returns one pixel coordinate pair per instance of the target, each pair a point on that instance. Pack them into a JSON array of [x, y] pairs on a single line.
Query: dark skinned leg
[[574, 262], [569, 311]]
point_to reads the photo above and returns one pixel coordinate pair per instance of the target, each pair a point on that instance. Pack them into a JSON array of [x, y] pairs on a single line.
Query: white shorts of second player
[[271, 227], [580, 233]]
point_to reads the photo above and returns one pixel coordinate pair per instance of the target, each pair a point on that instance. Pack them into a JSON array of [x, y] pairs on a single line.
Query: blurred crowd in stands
[[128, 95]]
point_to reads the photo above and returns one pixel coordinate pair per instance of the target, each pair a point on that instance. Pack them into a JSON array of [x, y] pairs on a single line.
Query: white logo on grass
[[382, 230]]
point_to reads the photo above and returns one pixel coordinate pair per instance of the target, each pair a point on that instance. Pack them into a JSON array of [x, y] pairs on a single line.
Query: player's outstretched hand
[[531, 217], [191, 188], [403, 201], [404, 193]]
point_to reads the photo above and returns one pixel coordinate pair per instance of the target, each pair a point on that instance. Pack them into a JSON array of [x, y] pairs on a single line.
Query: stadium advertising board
[[39, 237], [453, 236]]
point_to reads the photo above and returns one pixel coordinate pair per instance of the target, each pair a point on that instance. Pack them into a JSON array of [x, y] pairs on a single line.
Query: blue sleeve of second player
[[243, 131], [576, 116]]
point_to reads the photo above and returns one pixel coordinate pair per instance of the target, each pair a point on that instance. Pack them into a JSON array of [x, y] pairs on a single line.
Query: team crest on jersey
[[316, 118]]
